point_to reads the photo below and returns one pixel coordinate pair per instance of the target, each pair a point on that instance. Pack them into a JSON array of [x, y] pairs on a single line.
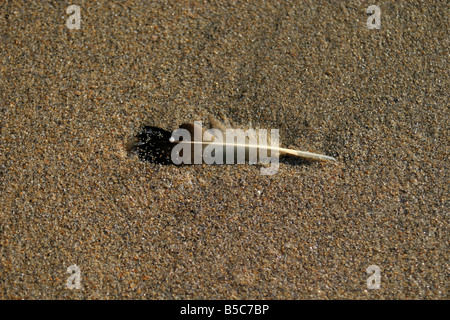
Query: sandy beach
[[375, 99]]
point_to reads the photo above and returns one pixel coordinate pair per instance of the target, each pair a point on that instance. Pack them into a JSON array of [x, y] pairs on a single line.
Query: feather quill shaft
[[273, 150]]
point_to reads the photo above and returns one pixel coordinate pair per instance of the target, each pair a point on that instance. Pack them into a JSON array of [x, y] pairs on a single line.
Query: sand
[[376, 99]]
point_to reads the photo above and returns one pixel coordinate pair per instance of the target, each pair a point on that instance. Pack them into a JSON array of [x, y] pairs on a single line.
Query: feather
[[156, 145]]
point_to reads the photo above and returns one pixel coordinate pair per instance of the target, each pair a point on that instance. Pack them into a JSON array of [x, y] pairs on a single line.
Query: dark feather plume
[[152, 144]]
